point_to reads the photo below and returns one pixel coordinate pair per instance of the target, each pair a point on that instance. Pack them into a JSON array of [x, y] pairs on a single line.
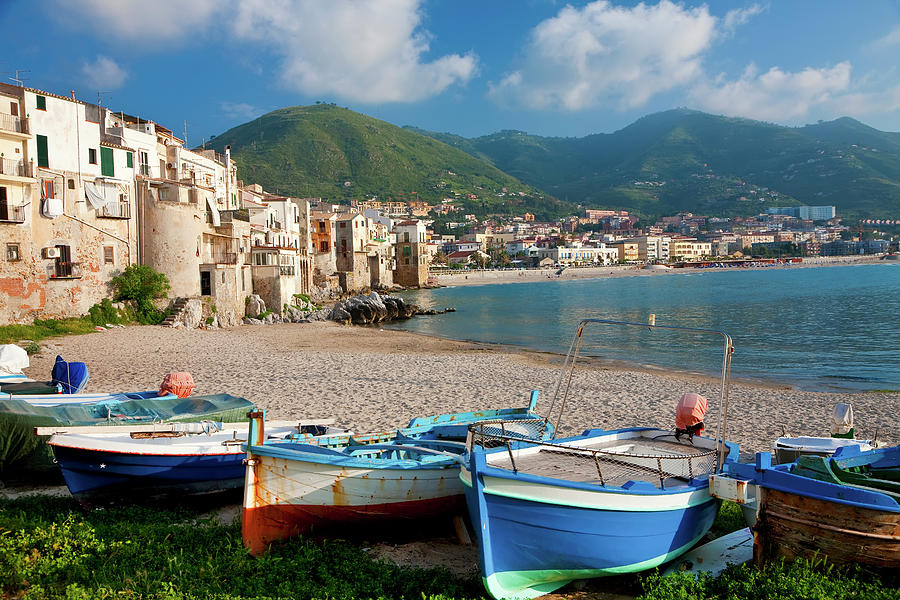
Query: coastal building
[[67, 193], [412, 254], [681, 248], [351, 253], [813, 213], [570, 255]]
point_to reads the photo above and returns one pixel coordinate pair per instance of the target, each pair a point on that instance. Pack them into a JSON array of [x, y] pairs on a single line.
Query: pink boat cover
[[179, 383], [690, 411]]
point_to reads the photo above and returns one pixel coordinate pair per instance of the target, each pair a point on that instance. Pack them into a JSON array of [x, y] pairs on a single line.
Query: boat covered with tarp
[[22, 451]]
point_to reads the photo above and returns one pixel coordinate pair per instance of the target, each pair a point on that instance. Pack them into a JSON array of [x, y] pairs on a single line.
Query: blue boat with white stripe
[[601, 503]]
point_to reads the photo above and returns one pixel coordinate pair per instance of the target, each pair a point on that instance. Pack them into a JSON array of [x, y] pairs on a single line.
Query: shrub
[[32, 347], [104, 312], [141, 284]]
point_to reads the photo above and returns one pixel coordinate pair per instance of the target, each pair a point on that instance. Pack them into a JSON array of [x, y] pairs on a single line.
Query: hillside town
[[86, 191]]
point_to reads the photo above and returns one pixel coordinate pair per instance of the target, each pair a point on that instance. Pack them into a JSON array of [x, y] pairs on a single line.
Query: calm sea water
[[826, 328]]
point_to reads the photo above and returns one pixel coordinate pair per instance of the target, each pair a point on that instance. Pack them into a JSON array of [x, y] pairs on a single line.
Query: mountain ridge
[[662, 163]]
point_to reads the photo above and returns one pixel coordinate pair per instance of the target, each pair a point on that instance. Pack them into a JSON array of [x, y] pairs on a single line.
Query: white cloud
[[892, 38], [740, 16], [607, 55], [103, 74], [360, 50], [141, 21], [366, 51], [240, 110], [775, 95]]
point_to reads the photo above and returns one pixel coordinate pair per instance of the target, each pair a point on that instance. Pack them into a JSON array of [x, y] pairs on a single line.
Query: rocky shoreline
[[357, 310]]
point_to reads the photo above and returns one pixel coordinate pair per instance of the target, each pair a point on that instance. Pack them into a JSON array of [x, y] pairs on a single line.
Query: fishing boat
[[845, 507], [129, 463], [789, 448], [66, 377], [294, 487], [24, 453], [601, 503]]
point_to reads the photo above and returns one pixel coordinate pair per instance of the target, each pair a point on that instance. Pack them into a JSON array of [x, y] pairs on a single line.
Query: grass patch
[[799, 580], [49, 548], [45, 328]]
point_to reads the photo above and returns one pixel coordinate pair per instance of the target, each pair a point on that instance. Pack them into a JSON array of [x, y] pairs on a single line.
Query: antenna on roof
[[100, 97], [185, 134], [19, 80]]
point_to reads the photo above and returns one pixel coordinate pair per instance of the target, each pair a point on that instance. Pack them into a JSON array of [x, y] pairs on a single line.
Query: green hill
[[332, 152], [683, 160]]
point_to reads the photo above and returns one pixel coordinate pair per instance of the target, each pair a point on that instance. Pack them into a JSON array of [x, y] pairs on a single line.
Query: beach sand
[[371, 379], [367, 379], [489, 276]]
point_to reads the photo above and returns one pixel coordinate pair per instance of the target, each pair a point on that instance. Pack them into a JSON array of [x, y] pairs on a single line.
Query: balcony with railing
[[16, 168], [225, 258], [14, 124], [12, 214], [66, 270], [116, 210], [288, 270]]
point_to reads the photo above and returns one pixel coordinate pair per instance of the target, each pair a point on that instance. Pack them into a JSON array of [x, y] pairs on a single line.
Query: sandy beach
[[368, 379], [489, 276]]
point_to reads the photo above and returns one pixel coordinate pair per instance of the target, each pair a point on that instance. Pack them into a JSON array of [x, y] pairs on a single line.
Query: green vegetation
[[45, 328], [800, 580], [141, 284], [682, 160], [335, 153], [49, 548]]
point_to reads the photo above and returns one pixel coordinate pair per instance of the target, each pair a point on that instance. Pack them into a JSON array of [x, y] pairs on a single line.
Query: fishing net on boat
[[659, 461]]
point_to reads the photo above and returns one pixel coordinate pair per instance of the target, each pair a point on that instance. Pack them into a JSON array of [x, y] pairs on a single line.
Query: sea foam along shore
[[488, 276], [372, 379]]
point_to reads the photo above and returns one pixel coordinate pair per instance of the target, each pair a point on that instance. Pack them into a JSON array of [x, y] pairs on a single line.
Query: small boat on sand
[[136, 463], [845, 507], [23, 453], [300, 487], [601, 503]]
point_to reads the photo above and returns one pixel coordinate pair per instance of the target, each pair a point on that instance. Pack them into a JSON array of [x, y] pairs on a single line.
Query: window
[[43, 156], [41, 102], [129, 160], [48, 190], [107, 169], [144, 160], [92, 156], [12, 252], [108, 255], [4, 207], [71, 184], [14, 109]]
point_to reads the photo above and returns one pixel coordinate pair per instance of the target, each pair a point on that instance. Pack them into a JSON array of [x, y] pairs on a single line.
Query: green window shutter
[[41, 102], [106, 162], [129, 160], [43, 157]]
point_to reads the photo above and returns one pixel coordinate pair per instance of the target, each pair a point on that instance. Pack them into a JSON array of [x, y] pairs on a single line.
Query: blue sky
[[463, 66]]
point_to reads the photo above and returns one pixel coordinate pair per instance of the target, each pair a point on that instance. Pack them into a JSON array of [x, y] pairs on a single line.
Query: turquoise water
[[825, 328]]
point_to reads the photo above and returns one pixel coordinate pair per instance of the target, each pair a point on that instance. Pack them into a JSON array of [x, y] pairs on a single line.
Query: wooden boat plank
[[795, 526]]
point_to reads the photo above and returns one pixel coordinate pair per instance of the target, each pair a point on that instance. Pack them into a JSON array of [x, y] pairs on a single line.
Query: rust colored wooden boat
[[800, 515]]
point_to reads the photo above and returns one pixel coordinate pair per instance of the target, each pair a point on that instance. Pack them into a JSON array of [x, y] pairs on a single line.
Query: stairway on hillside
[[177, 310]]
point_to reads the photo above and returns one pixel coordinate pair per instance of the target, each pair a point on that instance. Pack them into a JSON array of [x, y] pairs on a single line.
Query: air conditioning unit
[[50, 252]]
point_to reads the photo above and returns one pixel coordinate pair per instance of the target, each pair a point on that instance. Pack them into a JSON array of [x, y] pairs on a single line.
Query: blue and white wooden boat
[[310, 487], [847, 509], [601, 503], [24, 453], [136, 463]]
